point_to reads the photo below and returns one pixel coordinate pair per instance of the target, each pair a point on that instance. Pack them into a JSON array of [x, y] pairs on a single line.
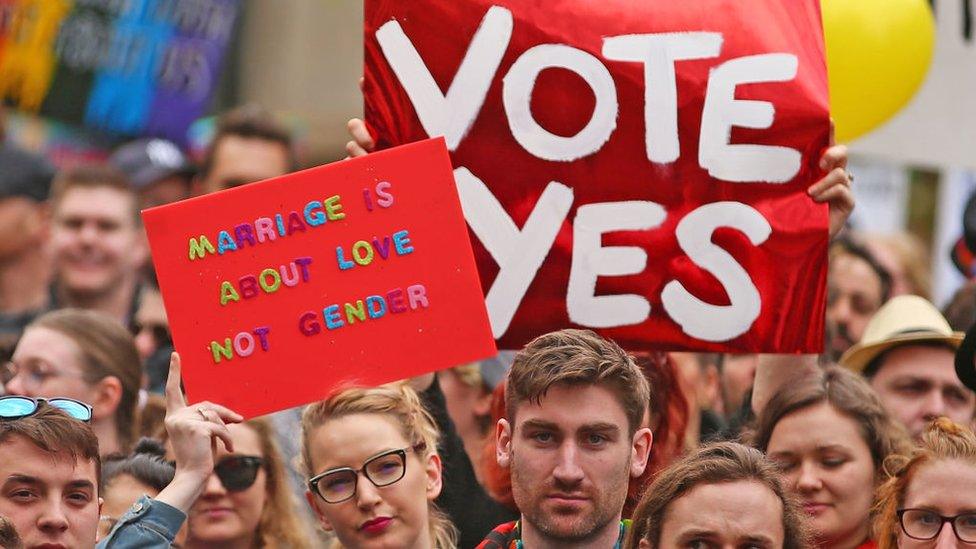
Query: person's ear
[[503, 443], [108, 395], [644, 544], [643, 439], [313, 502], [435, 478]]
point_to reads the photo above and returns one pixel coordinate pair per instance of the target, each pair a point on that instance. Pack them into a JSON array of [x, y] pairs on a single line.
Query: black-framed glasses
[[338, 485], [925, 524], [16, 407], [237, 473]]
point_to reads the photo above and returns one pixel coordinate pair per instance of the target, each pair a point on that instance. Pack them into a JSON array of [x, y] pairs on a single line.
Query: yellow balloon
[[878, 53]]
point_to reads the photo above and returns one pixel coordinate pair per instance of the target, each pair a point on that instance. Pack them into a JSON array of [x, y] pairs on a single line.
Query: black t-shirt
[[462, 497]]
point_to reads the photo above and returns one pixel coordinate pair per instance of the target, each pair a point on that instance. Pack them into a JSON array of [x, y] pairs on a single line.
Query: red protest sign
[[638, 168], [360, 271]]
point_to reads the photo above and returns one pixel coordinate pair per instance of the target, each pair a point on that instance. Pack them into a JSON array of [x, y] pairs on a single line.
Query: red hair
[[668, 410]]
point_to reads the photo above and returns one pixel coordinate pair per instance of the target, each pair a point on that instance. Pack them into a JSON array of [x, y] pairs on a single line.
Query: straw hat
[[904, 319]]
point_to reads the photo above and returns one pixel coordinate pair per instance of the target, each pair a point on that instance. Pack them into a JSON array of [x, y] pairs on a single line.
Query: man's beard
[[606, 503]]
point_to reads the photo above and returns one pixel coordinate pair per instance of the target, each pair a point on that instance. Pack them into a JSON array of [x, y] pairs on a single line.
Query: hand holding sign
[[637, 168], [278, 292], [193, 432]]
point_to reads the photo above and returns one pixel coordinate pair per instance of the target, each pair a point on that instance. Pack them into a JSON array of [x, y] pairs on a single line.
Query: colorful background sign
[[134, 67], [638, 168], [360, 271]]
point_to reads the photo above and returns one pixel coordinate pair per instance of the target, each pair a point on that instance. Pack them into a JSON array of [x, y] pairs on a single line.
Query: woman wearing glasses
[[930, 498], [246, 502], [85, 355], [375, 472]]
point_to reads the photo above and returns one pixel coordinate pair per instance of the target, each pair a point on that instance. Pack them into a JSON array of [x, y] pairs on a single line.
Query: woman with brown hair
[[722, 495], [374, 472], [829, 434], [85, 355], [929, 499]]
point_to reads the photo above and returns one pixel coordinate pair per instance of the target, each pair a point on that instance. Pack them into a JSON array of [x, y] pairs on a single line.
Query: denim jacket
[[147, 524]]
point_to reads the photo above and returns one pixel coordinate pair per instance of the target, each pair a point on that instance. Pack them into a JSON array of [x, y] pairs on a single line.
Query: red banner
[[638, 168], [358, 272]]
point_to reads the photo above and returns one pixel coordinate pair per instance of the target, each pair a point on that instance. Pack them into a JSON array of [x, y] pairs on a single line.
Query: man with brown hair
[[248, 146], [96, 242], [49, 476], [573, 439]]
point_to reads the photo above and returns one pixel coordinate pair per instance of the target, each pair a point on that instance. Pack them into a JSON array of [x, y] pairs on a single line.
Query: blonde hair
[[944, 440], [416, 425], [279, 526]]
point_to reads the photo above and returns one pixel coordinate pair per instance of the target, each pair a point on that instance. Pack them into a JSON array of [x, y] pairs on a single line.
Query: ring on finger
[[850, 177], [203, 414]]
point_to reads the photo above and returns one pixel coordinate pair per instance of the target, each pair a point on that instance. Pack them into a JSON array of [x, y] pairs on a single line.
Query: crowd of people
[[570, 441]]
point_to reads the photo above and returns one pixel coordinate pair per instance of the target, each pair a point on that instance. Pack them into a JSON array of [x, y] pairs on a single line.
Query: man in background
[[248, 146]]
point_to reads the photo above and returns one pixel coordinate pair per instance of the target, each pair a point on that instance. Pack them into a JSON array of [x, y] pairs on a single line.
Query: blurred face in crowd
[[51, 499], [946, 488], [724, 524], [738, 374], [854, 294], [571, 457], [96, 242], [49, 364], [22, 225], [829, 465], [222, 516], [918, 383], [239, 160], [150, 325], [118, 496], [165, 191], [392, 515]]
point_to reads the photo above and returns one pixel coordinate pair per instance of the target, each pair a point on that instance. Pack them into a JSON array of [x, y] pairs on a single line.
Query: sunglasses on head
[[237, 473], [16, 407]]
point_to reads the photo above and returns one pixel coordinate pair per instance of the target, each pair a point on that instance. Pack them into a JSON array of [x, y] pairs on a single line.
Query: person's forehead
[[19, 456], [851, 273], [349, 440], [948, 485], [95, 202], [40, 343], [237, 152], [570, 407], [246, 440], [935, 364], [816, 428], [725, 502], [151, 309]]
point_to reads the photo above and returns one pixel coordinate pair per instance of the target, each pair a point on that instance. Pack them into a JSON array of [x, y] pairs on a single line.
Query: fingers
[[833, 132], [834, 157], [836, 178], [839, 197], [174, 393], [225, 414], [354, 150], [362, 82], [220, 431], [357, 129]]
